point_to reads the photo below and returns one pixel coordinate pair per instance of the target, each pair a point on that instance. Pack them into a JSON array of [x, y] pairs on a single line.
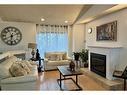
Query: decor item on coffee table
[[72, 66], [54, 59], [107, 32], [33, 47], [63, 70]]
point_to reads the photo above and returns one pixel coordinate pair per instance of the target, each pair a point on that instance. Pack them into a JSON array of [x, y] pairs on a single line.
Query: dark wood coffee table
[[65, 72]]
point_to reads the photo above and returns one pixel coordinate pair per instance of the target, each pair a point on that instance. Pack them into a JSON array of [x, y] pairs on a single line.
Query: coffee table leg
[[124, 84], [76, 79], [60, 80]]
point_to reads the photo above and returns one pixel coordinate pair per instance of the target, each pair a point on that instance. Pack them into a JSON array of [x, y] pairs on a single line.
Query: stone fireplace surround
[[112, 57]]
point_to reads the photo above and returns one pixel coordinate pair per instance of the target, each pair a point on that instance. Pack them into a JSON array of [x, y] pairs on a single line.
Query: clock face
[[11, 35], [90, 30]]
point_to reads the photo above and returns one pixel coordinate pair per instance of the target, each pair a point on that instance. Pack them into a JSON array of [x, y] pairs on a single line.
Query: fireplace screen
[[98, 64]]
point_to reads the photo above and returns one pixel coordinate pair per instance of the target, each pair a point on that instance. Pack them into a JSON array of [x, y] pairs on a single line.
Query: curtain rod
[[51, 25]]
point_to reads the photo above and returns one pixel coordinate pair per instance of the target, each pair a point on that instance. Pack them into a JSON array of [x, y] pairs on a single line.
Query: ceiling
[[98, 11], [53, 14]]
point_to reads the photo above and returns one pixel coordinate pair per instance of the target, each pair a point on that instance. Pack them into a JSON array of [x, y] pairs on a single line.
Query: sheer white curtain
[[52, 38]]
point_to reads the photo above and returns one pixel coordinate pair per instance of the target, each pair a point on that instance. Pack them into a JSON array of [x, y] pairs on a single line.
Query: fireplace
[[112, 56], [98, 64]]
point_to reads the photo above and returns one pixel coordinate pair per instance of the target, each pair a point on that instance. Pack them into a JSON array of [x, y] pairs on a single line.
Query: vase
[[72, 66]]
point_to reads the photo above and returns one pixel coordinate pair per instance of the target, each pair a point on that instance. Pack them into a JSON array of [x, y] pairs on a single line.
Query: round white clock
[[90, 30]]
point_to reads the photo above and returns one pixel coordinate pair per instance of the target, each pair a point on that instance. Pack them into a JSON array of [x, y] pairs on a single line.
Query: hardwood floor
[[47, 82]]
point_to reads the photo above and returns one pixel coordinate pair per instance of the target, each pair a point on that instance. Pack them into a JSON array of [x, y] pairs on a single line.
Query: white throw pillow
[[24, 66], [17, 70], [53, 57], [27, 63], [60, 57], [5, 65]]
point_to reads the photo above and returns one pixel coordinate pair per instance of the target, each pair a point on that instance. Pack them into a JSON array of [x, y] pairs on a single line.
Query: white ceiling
[[97, 11], [53, 14]]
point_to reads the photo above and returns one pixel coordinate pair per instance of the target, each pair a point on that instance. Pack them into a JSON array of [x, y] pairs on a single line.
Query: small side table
[[40, 65]]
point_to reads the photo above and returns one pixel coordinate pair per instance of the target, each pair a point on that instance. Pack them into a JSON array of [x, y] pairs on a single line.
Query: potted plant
[[84, 57], [76, 56]]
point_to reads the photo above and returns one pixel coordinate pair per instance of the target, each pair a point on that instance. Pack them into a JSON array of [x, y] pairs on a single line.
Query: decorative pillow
[[57, 57], [64, 56], [27, 63], [49, 57], [24, 66], [60, 57], [5, 65], [17, 70], [53, 57]]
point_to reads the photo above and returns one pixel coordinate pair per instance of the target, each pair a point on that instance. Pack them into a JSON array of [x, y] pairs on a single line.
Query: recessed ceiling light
[[42, 19], [66, 21]]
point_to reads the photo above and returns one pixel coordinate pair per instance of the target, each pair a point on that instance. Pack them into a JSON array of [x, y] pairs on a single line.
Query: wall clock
[[11, 35], [90, 30]]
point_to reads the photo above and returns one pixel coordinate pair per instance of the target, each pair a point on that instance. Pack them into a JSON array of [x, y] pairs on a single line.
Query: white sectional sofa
[[54, 59], [7, 82]]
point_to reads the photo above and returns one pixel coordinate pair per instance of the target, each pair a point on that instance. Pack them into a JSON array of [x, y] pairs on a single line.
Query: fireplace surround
[[112, 58]]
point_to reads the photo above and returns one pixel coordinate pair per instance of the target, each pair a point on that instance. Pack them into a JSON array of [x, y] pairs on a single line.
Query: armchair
[[121, 74]]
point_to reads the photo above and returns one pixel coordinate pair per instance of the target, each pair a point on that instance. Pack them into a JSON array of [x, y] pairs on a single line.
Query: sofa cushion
[[64, 56], [17, 70], [52, 57], [60, 57], [5, 65], [58, 63], [56, 56]]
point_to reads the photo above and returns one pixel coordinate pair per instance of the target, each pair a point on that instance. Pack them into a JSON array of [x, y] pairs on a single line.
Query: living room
[[79, 28]]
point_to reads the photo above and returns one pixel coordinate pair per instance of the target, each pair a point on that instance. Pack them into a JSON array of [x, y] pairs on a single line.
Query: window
[[52, 41]]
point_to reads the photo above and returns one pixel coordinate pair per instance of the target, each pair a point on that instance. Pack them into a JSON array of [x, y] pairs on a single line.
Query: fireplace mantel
[[112, 57]]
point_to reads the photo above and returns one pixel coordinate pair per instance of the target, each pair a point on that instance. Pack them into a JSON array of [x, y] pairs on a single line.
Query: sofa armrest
[[20, 79]]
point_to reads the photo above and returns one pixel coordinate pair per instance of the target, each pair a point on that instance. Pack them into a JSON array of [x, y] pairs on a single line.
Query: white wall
[[1, 20], [121, 18], [28, 31], [70, 41], [78, 37]]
